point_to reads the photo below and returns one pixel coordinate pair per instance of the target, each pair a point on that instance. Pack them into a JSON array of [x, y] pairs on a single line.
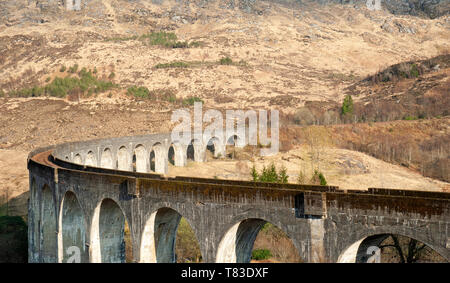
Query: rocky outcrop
[[15, 12]]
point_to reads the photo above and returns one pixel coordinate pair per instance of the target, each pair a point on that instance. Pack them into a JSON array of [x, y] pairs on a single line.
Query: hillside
[[118, 68]]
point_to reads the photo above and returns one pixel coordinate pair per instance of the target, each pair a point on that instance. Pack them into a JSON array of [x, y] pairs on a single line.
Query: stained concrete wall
[[322, 222]]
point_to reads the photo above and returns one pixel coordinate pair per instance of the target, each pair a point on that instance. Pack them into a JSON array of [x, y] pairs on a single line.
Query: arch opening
[[110, 234], [139, 160], [390, 248], [256, 240], [158, 158], [230, 148], [48, 237], [77, 159], [152, 161], [171, 155], [107, 159], [213, 149], [190, 152], [73, 231], [122, 159], [90, 159], [168, 238]]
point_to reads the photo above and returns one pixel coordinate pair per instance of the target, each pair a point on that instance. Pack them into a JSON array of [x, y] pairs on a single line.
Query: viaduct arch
[[83, 193]]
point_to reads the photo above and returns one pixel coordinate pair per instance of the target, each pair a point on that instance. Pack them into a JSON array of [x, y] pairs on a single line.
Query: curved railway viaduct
[[82, 193]]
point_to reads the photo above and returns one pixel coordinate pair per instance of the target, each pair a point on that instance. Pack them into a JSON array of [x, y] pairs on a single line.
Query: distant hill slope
[[425, 8]]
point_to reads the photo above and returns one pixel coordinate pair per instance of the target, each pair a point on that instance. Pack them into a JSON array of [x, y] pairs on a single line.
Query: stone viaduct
[[83, 193]]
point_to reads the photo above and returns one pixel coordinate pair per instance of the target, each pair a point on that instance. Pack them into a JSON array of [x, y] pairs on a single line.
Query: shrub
[[254, 174], [410, 118], [112, 76], [318, 178], [261, 254], [270, 175], [61, 87], [195, 44], [180, 44], [414, 71], [225, 61], [62, 69], [2, 94], [347, 105], [141, 92], [73, 69], [177, 64], [161, 38], [191, 100]]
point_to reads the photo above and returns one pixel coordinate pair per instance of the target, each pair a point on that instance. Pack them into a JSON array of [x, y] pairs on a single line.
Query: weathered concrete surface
[[323, 223]]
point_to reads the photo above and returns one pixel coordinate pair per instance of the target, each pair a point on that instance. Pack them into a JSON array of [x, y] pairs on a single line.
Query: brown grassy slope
[[292, 56], [421, 145]]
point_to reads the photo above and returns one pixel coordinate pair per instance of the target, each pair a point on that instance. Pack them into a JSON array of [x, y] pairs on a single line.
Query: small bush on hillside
[[191, 100], [141, 92], [177, 64], [86, 83], [225, 61], [270, 175], [161, 38], [261, 254], [62, 69], [318, 178], [347, 105], [73, 69], [410, 118]]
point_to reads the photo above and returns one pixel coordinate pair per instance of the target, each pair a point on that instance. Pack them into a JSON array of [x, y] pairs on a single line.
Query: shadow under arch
[[48, 234], [108, 228], [237, 244], [73, 227], [369, 249], [159, 237]]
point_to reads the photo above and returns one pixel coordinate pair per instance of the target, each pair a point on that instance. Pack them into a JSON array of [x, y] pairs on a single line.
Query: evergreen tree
[[347, 105]]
